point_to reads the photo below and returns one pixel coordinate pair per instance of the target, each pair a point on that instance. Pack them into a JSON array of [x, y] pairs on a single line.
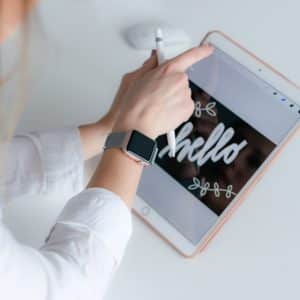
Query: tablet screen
[[238, 121], [217, 152]]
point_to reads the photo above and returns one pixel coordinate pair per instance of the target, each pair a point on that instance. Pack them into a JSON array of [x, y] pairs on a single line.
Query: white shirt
[[86, 244]]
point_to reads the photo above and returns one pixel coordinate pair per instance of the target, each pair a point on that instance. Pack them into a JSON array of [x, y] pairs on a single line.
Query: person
[[87, 243]]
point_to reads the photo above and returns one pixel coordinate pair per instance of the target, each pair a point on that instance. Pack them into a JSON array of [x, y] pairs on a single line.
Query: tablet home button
[[145, 211]]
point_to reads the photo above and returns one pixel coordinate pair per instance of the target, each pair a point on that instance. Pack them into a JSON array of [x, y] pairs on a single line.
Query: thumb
[[150, 63]]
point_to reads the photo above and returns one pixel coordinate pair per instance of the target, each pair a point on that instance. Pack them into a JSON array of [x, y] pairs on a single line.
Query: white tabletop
[[256, 255]]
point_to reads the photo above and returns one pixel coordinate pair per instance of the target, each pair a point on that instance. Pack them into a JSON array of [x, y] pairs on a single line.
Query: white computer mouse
[[142, 36]]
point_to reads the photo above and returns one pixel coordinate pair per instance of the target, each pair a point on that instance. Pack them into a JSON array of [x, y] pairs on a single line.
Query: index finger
[[183, 61]]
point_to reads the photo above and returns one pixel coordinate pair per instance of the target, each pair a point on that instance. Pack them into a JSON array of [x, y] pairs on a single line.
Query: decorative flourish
[[215, 188], [208, 109]]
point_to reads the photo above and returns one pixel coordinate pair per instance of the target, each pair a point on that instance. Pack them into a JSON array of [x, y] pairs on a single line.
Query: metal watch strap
[[118, 140], [115, 140]]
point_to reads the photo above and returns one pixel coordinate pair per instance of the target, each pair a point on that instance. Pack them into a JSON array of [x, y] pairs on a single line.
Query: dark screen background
[[140, 144], [216, 183]]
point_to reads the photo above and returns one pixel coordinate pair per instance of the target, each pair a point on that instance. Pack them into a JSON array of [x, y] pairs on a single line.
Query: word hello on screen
[[216, 147]]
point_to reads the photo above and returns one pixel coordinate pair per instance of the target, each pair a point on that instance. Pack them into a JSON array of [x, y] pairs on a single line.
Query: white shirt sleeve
[[84, 247], [44, 162]]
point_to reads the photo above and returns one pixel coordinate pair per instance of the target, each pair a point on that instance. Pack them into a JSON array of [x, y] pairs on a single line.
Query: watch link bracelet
[[136, 145]]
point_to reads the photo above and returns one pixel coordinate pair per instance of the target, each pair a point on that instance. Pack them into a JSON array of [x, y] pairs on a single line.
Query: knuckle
[[128, 76], [168, 68], [188, 92], [183, 77], [194, 53], [192, 104], [190, 107], [187, 110]]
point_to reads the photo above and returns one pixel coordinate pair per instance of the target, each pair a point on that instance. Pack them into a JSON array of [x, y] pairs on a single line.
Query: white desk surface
[[257, 254]]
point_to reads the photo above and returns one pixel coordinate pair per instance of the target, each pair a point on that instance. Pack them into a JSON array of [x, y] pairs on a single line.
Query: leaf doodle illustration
[[217, 189], [195, 185], [208, 109], [204, 188], [229, 191], [198, 109]]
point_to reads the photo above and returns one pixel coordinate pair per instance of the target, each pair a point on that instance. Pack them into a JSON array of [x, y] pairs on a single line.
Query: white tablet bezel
[[159, 224]]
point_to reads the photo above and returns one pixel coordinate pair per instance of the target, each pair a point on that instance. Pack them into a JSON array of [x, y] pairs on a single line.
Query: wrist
[[135, 145], [113, 172], [106, 124], [126, 126]]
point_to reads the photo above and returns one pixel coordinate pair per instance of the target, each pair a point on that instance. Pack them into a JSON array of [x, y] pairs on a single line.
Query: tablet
[[244, 113]]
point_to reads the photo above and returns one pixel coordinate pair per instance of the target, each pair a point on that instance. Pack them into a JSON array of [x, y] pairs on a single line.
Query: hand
[[127, 80], [159, 98], [156, 100], [94, 135]]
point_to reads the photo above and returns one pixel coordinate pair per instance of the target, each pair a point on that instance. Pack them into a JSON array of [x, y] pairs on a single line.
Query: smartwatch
[[135, 145]]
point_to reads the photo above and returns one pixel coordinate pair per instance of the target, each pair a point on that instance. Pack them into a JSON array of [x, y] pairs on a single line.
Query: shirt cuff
[[62, 159], [105, 214]]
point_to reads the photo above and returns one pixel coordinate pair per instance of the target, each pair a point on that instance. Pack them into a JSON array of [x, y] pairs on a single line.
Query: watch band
[[121, 140], [115, 140]]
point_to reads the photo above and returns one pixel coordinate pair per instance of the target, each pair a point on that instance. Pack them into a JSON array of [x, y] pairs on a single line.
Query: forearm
[[118, 173]]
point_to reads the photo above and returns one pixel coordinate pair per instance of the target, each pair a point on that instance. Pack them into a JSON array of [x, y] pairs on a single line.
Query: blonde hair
[[11, 106]]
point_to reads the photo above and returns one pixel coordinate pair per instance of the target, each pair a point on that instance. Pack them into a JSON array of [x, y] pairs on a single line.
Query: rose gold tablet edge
[[242, 197], [250, 54], [255, 180], [232, 209]]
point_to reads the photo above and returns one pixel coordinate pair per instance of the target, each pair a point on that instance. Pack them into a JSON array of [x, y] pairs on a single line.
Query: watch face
[[141, 145]]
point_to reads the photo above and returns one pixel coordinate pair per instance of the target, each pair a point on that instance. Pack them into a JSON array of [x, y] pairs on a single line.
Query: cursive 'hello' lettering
[[214, 148]]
